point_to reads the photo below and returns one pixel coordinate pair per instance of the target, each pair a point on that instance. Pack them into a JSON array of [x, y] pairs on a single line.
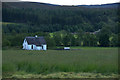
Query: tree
[[93, 40], [73, 41], [58, 39], [67, 40], [114, 41], [5, 43], [50, 41], [86, 39], [104, 37], [80, 35]]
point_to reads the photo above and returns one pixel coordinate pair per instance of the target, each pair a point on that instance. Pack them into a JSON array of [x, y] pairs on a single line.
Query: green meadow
[[78, 60]]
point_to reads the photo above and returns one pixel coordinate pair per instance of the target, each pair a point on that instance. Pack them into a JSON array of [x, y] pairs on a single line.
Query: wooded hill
[[31, 18]]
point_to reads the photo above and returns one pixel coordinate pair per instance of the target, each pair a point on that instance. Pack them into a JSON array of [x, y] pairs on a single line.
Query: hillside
[[76, 17], [31, 18]]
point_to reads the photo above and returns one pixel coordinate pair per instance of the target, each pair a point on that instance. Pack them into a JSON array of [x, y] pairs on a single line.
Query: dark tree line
[[51, 20], [63, 38]]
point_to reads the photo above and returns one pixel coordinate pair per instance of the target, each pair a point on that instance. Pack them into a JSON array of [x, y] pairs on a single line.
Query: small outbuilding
[[66, 48], [34, 43]]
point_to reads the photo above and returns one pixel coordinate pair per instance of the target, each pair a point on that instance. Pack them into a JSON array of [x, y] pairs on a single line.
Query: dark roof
[[36, 40]]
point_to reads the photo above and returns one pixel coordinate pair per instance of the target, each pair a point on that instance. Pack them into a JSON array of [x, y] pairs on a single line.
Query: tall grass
[[43, 62]]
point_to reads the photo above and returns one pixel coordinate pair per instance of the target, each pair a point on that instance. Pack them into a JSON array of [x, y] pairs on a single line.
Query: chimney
[[36, 36]]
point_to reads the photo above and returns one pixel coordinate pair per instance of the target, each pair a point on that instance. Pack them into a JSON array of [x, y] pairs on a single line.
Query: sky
[[75, 2]]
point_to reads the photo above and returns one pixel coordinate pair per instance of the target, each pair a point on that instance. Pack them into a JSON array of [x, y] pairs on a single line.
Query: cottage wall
[[29, 47], [44, 47], [25, 44], [38, 47]]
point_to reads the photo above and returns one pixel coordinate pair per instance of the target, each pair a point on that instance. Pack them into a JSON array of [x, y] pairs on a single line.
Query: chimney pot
[[36, 36]]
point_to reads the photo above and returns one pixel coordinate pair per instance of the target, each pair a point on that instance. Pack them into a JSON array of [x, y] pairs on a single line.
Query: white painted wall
[[44, 47], [29, 47], [38, 48], [25, 44]]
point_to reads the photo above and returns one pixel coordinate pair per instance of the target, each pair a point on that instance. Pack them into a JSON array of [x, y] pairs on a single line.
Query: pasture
[[85, 60]]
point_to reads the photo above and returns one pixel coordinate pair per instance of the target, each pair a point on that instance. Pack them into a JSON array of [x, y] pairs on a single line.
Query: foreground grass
[[63, 75], [50, 62]]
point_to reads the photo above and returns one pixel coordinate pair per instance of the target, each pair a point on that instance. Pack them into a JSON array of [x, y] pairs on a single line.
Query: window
[[42, 47]]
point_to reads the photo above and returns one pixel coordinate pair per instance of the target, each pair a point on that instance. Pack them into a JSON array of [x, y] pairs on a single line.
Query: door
[[32, 47]]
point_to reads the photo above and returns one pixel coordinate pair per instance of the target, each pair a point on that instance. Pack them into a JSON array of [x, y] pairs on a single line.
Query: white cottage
[[34, 43]]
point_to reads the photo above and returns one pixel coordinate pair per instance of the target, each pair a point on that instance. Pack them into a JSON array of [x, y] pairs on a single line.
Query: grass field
[[85, 60]]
